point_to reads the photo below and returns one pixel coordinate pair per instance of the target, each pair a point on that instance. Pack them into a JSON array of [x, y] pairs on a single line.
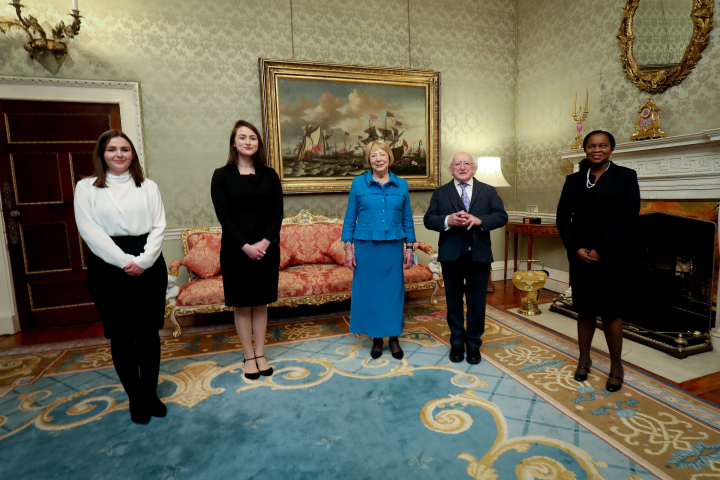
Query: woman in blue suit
[[378, 220]]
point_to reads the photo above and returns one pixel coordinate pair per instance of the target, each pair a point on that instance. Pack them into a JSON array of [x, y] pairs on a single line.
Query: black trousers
[[470, 278], [137, 363]]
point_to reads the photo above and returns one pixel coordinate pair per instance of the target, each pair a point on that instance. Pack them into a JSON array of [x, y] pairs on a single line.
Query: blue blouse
[[378, 212]]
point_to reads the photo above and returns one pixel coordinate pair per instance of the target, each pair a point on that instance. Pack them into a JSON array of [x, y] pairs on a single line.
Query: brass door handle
[[15, 213]]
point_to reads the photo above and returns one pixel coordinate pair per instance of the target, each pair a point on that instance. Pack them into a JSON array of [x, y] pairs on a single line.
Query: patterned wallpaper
[[197, 67], [567, 45]]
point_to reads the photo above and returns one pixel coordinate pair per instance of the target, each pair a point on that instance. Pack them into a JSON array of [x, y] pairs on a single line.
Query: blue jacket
[[377, 212]]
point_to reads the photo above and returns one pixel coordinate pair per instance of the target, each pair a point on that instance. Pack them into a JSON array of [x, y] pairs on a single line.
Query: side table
[[528, 229]]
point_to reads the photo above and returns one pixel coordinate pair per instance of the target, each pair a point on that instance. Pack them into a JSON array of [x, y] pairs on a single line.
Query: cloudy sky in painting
[[346, 107]]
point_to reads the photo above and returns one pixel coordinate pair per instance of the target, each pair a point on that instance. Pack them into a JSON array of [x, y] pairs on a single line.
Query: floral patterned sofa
[[312, 268]]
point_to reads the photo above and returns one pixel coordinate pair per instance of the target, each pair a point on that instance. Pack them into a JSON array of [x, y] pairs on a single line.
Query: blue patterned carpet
[[329, 412]]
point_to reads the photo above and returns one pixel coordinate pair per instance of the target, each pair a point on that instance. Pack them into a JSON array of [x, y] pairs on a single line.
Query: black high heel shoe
[[397, 352], [156, 408], [251, 376], [139, 413], [581, 377], [611, 387], [376, 351], [264, 373]]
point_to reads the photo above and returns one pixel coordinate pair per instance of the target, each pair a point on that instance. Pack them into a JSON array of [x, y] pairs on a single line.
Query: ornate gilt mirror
[[662, 40]]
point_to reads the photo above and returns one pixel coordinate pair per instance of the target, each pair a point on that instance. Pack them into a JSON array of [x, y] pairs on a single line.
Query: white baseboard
[[559, 280], [8, 326]]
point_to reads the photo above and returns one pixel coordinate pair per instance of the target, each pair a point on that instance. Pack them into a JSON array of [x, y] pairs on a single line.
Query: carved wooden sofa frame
[[173, 310]]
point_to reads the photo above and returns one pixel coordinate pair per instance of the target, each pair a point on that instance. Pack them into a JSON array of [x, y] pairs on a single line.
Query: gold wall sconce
[[48, 52]]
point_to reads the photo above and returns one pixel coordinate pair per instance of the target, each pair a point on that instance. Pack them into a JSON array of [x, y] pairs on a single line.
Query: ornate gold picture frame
[[318, 117], [658, 80]]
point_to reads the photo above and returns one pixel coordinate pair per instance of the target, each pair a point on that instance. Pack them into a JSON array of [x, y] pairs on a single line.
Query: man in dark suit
[[464, 211]]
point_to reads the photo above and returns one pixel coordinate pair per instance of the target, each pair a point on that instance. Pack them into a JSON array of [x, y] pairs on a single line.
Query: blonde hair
[[378, 144]]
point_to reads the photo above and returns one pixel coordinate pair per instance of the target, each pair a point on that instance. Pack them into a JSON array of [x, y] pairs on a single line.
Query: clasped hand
[[133, 270], [463, 219], [257, 250], [587, 256]]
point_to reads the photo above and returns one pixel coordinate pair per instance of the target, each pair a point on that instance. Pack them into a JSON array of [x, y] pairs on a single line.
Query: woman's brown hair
[[101, 167], [259, 158]]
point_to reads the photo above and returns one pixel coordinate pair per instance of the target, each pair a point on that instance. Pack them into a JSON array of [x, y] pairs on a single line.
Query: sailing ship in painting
[[317, 152]]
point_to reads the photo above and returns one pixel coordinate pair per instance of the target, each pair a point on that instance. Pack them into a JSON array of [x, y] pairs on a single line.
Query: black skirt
[[599, 289], [128, 305], [246, 282]]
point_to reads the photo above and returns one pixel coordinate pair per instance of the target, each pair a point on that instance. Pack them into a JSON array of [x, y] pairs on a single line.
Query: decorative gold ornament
[[50, 53], [655, 82], [579, 115], [530, 281], [648, 125]]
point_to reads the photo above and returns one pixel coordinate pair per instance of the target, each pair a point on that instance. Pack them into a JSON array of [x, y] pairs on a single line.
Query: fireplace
[[672, 297]]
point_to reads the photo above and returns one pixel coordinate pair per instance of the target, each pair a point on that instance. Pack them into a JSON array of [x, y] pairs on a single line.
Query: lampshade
[[489, 172]]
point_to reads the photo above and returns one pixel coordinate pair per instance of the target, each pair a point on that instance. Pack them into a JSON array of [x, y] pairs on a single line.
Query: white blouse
[[122, 209]]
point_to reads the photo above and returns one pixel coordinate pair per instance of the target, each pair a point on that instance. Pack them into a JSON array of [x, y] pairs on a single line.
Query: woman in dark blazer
[[248, 201], [598, 209]]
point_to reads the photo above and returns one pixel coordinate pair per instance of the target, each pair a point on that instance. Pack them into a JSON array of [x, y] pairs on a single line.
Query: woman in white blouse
[[120, 215]]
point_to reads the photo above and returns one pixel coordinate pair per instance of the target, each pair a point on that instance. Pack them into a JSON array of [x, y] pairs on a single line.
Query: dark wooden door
[[45, 149]]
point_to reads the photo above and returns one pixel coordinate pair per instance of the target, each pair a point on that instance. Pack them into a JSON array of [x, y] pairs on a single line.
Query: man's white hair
[[452, 159]]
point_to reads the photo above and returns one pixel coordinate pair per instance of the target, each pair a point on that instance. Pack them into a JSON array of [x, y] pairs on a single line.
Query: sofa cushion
[[203, 259], [314, 281], [418, 273], [285, 257], [204, 291], [310, 243], [337, 252], [211, 239]]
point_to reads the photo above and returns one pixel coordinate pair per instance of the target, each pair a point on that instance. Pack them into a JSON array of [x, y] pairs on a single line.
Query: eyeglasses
[[464, 164]]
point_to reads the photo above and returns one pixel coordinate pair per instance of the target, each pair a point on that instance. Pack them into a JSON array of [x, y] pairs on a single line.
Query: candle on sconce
[[75, 4], [586, 95], [575, 102]]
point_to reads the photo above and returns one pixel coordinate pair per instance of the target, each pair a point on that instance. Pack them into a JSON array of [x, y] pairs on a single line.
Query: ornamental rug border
[[645, 383]]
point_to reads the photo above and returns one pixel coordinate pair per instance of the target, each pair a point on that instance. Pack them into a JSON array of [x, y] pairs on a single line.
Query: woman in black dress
[[598, 209], [248, 201]]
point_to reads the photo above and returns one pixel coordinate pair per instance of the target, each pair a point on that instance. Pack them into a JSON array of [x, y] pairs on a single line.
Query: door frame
[[126, 94]]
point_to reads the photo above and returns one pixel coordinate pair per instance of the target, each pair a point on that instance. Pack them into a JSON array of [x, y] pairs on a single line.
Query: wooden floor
[[506, 296]]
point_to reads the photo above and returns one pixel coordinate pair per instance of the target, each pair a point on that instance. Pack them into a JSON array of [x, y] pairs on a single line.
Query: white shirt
[[468, 189], [122, 209]]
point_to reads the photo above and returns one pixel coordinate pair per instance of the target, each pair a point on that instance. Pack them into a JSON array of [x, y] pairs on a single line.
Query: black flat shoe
[[139, 414], [264, 373], [457, 354], [156, 408], [611, 387], [473, 356], [581, 377], [376, 351], [251, 376], [397, 352]]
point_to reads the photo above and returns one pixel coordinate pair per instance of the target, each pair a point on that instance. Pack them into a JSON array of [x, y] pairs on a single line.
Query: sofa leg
[[178, 331], [432, 296]]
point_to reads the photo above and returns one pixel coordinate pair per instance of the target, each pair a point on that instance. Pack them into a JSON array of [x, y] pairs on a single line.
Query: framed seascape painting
[[318, 118]]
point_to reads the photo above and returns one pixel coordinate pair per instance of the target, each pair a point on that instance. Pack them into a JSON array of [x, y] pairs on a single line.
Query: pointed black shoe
[[397, 352], [251, 376], [264, 373], [581, 377], [139, 413], [457, 354], [611, 387], [156, 408], [376, 351], [473, 356]]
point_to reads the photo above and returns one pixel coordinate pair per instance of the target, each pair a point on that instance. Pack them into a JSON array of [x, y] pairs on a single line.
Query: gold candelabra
[[579, 115], [49, 52]]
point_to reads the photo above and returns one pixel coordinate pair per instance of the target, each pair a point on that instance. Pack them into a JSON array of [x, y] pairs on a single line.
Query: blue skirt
[[378, 289]]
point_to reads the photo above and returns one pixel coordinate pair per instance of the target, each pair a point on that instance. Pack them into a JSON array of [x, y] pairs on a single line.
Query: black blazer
[[602, 217], [485, 204], [248, 211]]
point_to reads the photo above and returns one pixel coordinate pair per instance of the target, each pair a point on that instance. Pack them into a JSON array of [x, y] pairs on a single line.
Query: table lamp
[[489, 171]]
